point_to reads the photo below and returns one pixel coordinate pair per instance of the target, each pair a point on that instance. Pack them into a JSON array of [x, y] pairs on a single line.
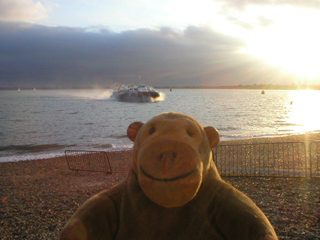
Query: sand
[[39, 196]]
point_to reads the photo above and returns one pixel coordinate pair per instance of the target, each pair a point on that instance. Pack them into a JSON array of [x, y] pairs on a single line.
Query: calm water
[[51, 121]]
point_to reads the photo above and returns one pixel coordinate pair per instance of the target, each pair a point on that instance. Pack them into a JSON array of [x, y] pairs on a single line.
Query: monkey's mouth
[[167, 179]]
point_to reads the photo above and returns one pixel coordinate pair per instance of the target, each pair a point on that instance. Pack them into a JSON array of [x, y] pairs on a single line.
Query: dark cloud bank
[[60, 57]]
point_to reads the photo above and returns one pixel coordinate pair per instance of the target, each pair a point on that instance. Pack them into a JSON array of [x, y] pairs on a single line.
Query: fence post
[[314, 148], [310, 157]]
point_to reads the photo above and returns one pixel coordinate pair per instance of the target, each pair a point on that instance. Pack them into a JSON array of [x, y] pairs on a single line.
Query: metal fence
[[314, 159], [284, 159], [92, 161]]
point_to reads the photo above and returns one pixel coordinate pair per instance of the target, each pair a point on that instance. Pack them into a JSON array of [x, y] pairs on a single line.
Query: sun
[[291, 43]]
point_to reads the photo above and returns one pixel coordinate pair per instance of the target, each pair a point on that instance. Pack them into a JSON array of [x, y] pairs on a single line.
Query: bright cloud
[[21, 10], [242, 4], [67, 57]]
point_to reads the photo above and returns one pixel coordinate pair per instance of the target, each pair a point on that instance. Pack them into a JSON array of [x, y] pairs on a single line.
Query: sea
[[44, 123]]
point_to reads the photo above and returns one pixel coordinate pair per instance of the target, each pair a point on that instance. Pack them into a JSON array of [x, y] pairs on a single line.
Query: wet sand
[[39, 196]]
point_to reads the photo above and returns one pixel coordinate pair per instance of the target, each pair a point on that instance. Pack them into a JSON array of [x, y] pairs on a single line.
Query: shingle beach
[[39, 196]]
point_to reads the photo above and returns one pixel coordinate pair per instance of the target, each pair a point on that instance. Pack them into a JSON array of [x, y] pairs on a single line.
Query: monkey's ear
[[133, 130], [213, 136]]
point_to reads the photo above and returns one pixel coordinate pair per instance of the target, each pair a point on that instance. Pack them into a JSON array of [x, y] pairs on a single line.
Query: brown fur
[[173, 191]]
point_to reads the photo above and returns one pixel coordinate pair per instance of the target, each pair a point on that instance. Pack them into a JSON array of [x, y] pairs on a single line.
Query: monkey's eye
[[190, 133], [152, 130]]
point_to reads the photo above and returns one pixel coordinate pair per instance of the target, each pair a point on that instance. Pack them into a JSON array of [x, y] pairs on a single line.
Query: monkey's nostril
[[167, 156]]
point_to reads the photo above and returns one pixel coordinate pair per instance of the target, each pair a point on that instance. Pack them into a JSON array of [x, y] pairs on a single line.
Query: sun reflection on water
[[304, 111]]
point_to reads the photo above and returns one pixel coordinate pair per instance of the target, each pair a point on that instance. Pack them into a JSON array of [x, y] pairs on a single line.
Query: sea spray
[[97, 95], [162, 97]]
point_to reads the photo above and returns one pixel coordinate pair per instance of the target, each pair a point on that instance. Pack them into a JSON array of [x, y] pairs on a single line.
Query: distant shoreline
[[246, 87], [252, 87]]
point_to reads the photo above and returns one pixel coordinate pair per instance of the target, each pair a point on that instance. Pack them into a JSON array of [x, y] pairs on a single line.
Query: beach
[[39, 196]]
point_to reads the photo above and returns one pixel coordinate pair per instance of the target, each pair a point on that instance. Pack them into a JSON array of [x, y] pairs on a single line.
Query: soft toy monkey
[[173, 191]]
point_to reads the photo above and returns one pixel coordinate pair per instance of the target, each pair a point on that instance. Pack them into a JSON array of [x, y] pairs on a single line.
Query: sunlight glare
[[304, 115], [291, 43]]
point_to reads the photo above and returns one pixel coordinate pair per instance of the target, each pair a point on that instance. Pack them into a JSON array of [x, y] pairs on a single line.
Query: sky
[[98, 43]]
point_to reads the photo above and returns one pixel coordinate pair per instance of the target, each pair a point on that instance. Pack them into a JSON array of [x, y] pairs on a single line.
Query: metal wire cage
[[92, 161]]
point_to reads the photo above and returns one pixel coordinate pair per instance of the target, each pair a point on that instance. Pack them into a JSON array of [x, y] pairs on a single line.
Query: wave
[[287, 124], [21, 149], [119, 136], [40, 155], [265, 135], [238, 136], [116, 136], [227, 129]]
